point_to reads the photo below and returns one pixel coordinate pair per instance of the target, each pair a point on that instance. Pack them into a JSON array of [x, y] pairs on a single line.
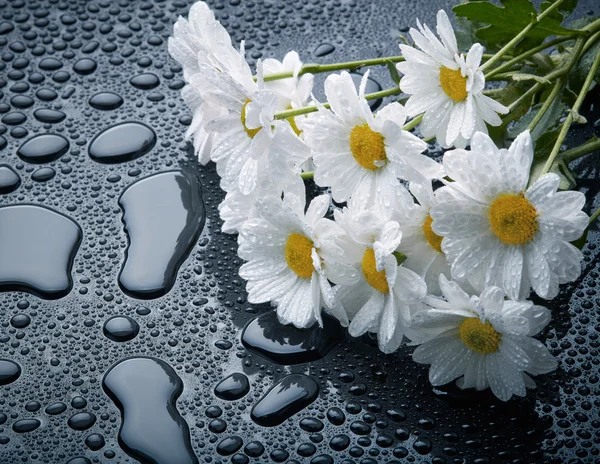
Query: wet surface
[[38, 246], [163, 213], [152, 430], [84, 60]]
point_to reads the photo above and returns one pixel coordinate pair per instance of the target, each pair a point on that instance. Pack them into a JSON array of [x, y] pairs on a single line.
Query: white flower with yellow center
[[446, 86], [498, 232], [386, 293], [249, 136], [289, 259], [485, 340], [420, 244], [353, 148]]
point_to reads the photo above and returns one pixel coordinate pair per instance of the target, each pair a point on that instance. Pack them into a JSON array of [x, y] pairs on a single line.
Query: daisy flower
[[498, 232], [237, 208], [353, 148], [248, 133], [446, 86], [195, 42], [386, 293], [289, 259], [484, 340], [294, 92], [420, 244]]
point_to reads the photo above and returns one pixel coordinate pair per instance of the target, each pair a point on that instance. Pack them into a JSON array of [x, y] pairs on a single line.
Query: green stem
[[549, 101], [311, 109], [567, 124], [413, 123], [520, 35], [523, 56], [588, 147], [594, 216], [314, 68], [308, 175]]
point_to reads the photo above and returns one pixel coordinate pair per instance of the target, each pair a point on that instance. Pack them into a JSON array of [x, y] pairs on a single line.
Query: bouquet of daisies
[[443, 254]]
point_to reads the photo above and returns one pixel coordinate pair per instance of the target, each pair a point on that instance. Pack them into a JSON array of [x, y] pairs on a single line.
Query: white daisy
[[498, 232], [195, 42], [446, 86], [248, 132], [420, 244], [293, 92], [351, 147], [386, 293], [237, 208], [289, 254], [485, 340]]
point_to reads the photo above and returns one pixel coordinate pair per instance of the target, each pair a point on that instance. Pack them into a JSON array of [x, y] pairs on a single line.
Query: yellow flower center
[[367, 147], [376, 279], [434, 240], [292, 122], [513, 219], [298, 249], [453, 83], [478, 336], [251, 132]]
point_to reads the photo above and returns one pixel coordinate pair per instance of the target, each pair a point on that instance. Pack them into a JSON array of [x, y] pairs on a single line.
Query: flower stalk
[[574, 110]]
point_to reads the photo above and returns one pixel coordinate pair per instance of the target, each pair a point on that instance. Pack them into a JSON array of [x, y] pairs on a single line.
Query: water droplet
[[20, 321], [56, 408], [26, 425], [152, 430], [43, 148], [287, 345], [49, 116], [50, 64], [229, 445], [43, 174], [9, 179], [233, 388], [163, 216], [121, 328], [37, 248], [95, 441], [105, 101], [14, 118], [9, 371], [81, 421], [324, 49], [122, 142], [288, 397], [145, 81], [85, 66]]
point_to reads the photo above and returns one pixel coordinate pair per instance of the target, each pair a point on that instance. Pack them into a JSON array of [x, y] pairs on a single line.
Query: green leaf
[[393, 72], [579, 72], [504, 22], [550, 119], [545, 143], [567, 180]]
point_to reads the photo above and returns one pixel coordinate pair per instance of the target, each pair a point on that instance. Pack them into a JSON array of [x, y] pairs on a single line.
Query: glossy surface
[[38, 246], [381, 406], [152, 430], [163, 213], [287, 345], [122, 142]]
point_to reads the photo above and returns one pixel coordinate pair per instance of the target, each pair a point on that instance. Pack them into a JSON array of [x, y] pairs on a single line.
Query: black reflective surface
[[78, 386]]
